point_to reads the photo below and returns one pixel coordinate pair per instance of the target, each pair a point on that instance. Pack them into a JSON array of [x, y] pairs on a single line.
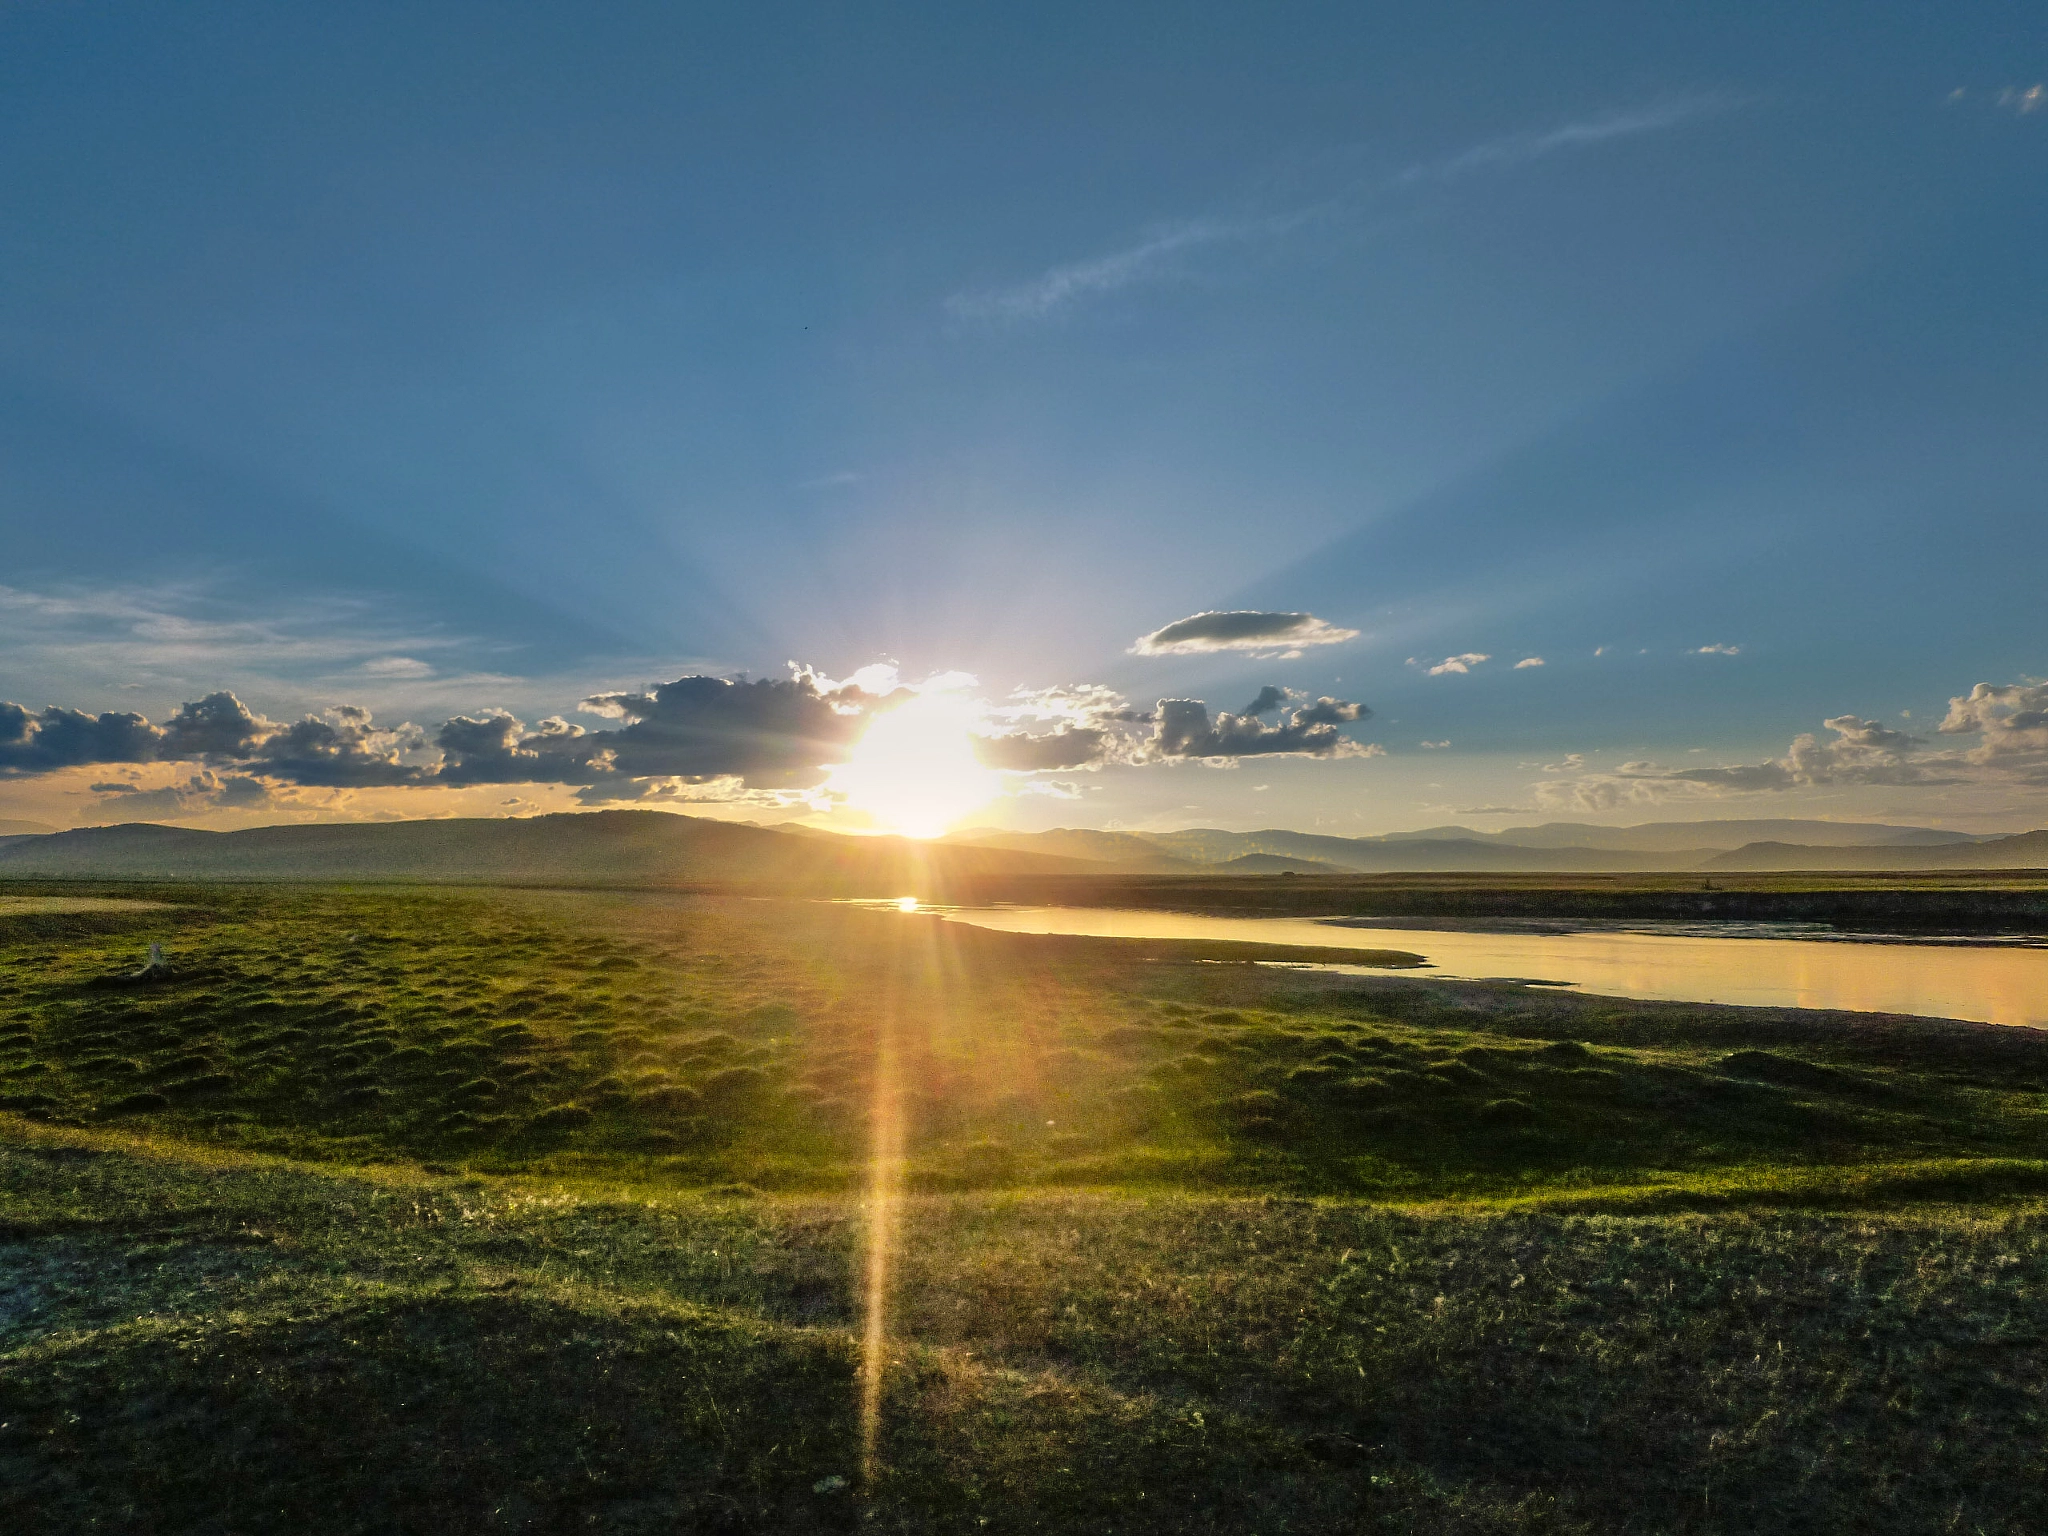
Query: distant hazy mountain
[[1677, 836], [1276, 864], [1127, 851], [1213, 849], [24, 829], [1560, 846], [2027, 850], [592, 848]]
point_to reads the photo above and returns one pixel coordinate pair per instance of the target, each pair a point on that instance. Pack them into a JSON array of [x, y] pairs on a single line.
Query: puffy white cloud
[[2011, 722], [1451, 665], [1529, 661]]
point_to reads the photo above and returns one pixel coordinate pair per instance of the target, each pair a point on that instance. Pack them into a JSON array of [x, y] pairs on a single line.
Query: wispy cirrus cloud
[[1520, 148], [1152, 256], [1059, 286]]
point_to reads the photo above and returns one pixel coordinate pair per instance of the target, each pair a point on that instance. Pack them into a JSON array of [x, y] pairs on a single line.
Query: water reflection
[[1991, 984]]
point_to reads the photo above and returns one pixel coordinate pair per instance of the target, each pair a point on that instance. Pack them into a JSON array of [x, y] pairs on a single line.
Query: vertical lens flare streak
[[924, 996], [884, 1201], [885, 1168]]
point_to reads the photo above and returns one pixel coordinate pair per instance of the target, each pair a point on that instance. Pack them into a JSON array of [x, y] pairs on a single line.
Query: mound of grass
[[752, 1033]]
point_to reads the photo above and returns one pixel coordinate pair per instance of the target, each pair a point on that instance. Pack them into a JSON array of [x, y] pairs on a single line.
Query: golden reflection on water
[[1990, 984]]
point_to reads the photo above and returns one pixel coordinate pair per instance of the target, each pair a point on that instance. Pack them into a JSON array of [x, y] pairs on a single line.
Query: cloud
[[1270, 698], [1598, 793], [2010, 721], [1153, 255], [1068, 747], [217, 727], [768, 741], [1063, 284], [163, 634], [1458, 665], [1262, 634], [726, 789], [1076, 703], [1521, 148], [397, 666], [1185, 731], [775, 732], [1091, 727], [200, 795], [497, 749], [34, 741], [341, 750], [1433, 746], [1529, 661], [1095, 727], [1051, 789], [1861, 752], [1716, 650]]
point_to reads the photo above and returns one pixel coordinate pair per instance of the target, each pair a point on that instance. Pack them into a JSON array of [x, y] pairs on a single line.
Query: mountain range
[[656, 848], [1555, 846], [621, 848]]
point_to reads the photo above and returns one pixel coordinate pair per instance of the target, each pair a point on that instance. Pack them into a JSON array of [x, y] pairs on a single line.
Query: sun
[[914, 771]]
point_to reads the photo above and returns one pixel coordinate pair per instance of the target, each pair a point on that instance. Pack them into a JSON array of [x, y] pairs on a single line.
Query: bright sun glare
[[915, 771]]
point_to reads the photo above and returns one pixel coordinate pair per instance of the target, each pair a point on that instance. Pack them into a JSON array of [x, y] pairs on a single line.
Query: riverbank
[[1990, 902]]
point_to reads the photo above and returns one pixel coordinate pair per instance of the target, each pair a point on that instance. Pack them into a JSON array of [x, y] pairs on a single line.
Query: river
[[1990, 983]]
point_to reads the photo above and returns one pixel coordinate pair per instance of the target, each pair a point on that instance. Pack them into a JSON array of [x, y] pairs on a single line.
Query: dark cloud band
[[765, 736]]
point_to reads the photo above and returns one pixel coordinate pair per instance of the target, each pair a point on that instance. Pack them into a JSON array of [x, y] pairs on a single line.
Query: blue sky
[[450, 359]]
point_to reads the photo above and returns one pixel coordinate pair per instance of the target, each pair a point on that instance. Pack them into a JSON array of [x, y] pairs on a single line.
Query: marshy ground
[[522, 1211]]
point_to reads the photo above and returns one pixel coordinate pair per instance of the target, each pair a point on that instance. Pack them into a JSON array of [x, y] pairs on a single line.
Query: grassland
[[483, 1211]]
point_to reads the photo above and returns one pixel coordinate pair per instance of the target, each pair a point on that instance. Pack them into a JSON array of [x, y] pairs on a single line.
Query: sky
[[906, 417]]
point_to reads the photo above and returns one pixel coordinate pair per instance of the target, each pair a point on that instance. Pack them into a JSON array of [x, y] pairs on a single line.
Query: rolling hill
[[593, 848], [2026, 850], [653, 848]]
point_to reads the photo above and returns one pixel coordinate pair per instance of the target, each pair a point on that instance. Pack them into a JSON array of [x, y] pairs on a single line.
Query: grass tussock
[[520, 1212]]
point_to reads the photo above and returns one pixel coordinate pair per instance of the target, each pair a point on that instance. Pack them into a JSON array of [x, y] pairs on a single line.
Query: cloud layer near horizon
[[696, 738], [2010, 722]]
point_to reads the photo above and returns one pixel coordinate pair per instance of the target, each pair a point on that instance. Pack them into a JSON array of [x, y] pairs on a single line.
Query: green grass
[[542, 1212]]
